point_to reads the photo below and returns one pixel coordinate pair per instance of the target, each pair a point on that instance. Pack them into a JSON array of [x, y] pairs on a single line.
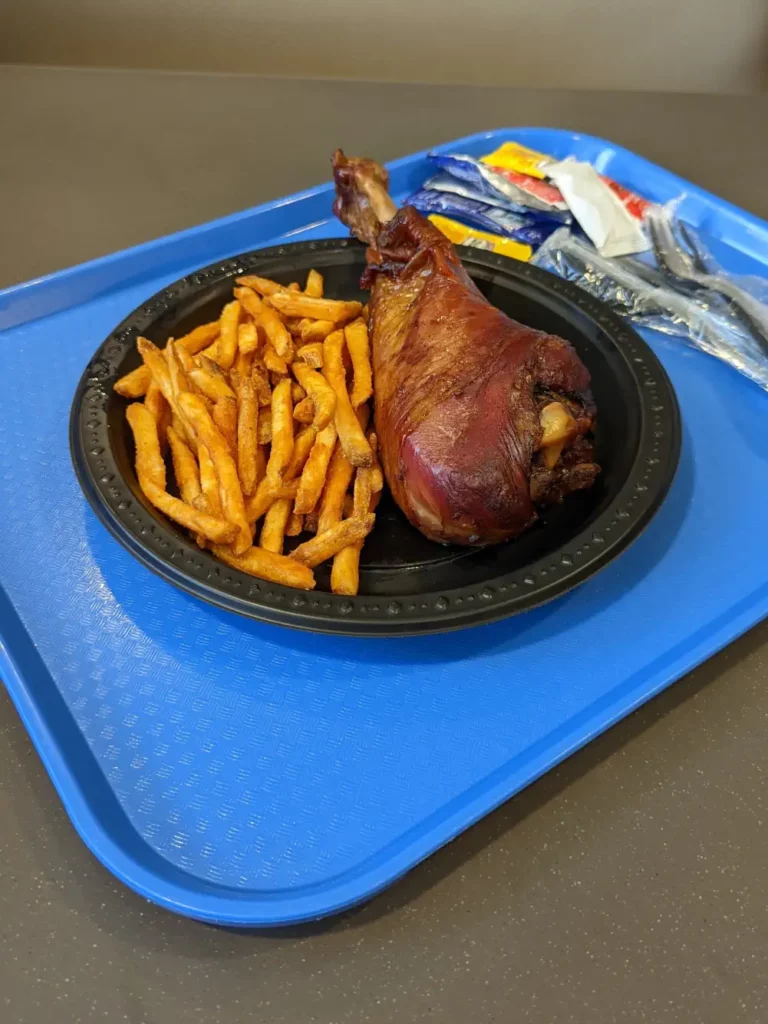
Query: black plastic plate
[[407, 583]]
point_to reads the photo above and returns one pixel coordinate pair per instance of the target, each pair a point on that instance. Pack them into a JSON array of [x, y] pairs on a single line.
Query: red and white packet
[[610, 226]]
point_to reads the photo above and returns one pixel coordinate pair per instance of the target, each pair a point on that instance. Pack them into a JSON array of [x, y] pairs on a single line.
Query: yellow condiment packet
[[512, 156], [460, 234]]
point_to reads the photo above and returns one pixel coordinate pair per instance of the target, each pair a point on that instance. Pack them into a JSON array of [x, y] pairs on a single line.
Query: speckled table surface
[[627, 885]]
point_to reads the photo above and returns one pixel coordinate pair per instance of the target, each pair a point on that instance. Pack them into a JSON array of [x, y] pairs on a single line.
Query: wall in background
[[681, 45]]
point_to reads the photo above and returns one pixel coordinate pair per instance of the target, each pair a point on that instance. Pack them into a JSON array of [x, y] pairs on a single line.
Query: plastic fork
[[687, 270]]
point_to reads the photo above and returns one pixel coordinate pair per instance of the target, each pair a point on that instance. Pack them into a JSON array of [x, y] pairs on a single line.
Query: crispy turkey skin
[[459, 386]]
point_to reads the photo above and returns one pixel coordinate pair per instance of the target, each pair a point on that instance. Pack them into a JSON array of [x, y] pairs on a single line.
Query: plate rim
[[114, 502]]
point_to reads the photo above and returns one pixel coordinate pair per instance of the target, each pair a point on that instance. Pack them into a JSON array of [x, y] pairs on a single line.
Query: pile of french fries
[[264, 414]]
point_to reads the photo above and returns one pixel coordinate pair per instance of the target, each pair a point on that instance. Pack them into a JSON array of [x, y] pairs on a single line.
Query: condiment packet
[[484, 216], [460, 234], [543, 191], [445, 182], [603, 217], [488, 182], [512, 157]]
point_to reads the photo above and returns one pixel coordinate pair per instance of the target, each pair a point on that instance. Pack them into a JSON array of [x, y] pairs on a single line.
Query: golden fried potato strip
[[326, 545], [269, 566], [351, 435]]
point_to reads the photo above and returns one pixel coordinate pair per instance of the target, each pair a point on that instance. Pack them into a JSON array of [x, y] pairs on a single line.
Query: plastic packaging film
[[642, 294]]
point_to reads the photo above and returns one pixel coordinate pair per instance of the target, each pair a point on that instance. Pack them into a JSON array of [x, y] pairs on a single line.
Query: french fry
[[302, 446], [247, 436], [362, 493], [266, 493], [200, 338], [337, 481], [161, 412], [264, 430], [212, 352], [150, 470], [261, 383], [158, 368], [225, 417], [217, 530], [345, 571], [351, 436], [269, 566], [314, 285], [311, 354], [234, 467], [365, 313], [243, 365], [185, 468], [247, 338], [161, 375], [325, 545], [210, 499], [229, 483], [273, 362], [294, 526], [134, 384], [304, 411], [149, 461], [212, 385], [179, 382], [230, 321], [315, 470], [356, 336], [298, 304], [276, 331], [179, 379], [177, 425], [322, 392], [157, 405], [273, 529], [186, 361], [282, 431], [249, 300], [262, 285], [317, 330], [293, 324]]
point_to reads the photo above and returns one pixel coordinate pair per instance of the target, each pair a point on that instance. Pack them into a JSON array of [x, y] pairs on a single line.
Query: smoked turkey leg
[[479, 418]]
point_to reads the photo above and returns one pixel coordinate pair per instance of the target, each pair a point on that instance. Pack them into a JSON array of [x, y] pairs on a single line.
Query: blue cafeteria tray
[[250, 775]]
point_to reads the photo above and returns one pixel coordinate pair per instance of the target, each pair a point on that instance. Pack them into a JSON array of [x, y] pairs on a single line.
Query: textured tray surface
[[248, 774]]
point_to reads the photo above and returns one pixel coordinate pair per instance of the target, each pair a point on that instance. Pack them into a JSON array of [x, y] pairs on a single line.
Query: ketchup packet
[[460, 234], [534, 187], [482, 215], [633, 203]]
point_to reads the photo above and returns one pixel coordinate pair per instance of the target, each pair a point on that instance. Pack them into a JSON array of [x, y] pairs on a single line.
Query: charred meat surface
[[479, 418]]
